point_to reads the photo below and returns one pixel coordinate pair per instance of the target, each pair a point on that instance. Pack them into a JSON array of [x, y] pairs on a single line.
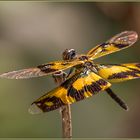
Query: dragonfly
[[87, 77]]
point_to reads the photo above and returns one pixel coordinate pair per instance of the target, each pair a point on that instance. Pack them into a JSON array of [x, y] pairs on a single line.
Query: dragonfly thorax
[[90, 65], [83, 57]]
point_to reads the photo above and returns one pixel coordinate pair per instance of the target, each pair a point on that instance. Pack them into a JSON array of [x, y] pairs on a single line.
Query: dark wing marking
[[119, 72], [78, 87], [116, 43], [40, 70]]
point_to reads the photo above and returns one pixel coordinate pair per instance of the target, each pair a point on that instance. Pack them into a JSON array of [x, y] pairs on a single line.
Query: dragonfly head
[[69, 54]]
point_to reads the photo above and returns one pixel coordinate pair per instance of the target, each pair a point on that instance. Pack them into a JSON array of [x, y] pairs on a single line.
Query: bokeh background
[[33, 33]]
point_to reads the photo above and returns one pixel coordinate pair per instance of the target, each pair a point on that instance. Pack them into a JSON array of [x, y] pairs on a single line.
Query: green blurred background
[[33, 33]]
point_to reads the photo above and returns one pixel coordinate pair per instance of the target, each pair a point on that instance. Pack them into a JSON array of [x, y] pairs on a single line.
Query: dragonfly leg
[[59, 77]]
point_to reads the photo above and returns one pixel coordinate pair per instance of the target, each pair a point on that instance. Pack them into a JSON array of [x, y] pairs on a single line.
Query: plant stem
[[65, 111], [66, 121]]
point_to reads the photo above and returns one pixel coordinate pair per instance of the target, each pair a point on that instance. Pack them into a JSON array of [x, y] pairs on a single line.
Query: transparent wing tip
[[34, 109], [128, 37], [23, 74], [132, 35], [13, 75], [6, 75]]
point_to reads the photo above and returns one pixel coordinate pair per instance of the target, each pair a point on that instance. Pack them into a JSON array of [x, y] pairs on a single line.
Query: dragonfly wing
[[40, 70], [78, 87], [116, 43], [119, 72], [23, 74]]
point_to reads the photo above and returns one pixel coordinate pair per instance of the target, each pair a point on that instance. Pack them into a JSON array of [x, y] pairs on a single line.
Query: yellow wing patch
[[119, 73], [78, 87]]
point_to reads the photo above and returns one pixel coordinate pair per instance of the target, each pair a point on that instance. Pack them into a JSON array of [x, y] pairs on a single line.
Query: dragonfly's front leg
[[59, 77]]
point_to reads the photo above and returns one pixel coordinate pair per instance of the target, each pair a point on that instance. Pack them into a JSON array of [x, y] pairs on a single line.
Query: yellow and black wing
[[116, 43], [119, 72], [40, 70], [78, 87]]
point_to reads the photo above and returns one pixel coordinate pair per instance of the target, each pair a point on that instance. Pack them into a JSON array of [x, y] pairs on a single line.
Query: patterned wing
[[116, 43], [40, 70], [78, 87], [120, 72]]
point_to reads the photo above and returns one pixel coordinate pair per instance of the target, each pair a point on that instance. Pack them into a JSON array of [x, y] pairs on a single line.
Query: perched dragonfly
[[88, 77]]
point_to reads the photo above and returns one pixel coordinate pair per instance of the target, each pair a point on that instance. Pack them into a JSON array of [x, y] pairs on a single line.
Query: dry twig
[[65, 111]]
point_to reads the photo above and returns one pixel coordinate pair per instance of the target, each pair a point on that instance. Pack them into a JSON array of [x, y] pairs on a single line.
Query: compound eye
[[69, 54]]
